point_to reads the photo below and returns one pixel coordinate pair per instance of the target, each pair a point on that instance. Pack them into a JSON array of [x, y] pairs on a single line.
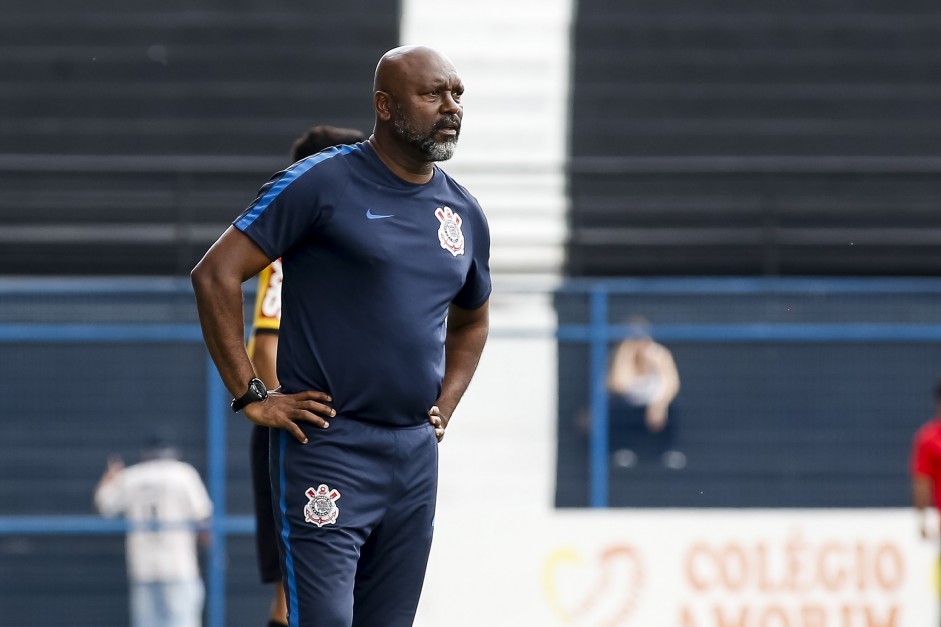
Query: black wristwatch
[[256, 392]]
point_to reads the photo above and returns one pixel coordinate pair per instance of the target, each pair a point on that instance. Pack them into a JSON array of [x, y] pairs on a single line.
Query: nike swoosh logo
[[377, 216]]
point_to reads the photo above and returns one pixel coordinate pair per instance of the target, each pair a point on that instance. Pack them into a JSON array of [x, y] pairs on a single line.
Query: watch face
[[258, 389], [256, 392]]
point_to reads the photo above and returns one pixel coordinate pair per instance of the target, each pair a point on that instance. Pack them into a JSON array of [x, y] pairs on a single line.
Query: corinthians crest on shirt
[[321, 508], [450, 235]]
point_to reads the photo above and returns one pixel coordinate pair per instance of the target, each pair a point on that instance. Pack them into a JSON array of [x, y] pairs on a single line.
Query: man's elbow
[[206, 274], [199, 275]]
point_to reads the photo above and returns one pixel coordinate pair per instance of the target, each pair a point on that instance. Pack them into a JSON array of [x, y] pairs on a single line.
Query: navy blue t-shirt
[[371, 263]]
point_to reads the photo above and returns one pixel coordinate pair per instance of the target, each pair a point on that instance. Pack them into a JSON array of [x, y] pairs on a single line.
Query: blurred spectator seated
[[643, 383]]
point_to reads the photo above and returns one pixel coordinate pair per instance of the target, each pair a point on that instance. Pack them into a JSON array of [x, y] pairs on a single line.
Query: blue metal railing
[[221, 524], [216, 429], [597, 332]]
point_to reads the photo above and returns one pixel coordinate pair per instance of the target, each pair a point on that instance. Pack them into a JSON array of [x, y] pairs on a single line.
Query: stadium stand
[[751, 138], [779, 406], [732, 137], [130, 135]]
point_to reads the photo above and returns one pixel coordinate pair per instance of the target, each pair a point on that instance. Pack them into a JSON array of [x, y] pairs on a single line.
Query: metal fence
[[814, 383], [83, 360]]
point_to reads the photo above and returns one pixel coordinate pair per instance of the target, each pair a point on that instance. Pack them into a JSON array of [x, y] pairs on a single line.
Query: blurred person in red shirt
[[926, 466]]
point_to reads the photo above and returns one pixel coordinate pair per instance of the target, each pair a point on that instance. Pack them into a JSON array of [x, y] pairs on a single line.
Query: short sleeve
[[292, 203], [477, 283]]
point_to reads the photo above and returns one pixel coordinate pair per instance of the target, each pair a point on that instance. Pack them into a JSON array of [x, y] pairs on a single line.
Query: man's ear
[[383, 104]]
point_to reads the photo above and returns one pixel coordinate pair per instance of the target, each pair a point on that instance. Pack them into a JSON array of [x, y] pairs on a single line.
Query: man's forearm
[[219, 303], [463, 347], [217, 283]]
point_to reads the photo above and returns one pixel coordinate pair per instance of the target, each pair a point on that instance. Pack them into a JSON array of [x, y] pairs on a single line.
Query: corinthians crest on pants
[[449, 232], [322, 508]]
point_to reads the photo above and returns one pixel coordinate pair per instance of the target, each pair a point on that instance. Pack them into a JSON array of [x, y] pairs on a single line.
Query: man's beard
[[426, 144]]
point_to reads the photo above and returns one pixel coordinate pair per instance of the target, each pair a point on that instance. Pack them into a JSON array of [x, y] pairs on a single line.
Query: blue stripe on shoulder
[[291, 583], [290, 175]]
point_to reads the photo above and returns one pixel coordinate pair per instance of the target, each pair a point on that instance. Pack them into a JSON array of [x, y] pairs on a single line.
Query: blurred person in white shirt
[[643, 382], [165, 503]]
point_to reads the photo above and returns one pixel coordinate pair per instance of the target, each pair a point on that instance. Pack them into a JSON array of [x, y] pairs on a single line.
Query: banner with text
[[683, 568]]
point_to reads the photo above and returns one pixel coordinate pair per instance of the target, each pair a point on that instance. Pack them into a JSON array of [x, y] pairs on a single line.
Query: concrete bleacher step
[[696, 9], [850, 222], [135, 94], [152, 63], [212, 102], [737, 79], [202, 78]]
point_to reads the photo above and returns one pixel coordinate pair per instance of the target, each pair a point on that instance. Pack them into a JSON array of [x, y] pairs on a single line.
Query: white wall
[[502, 555], [498, 459], [514, 60], [681, 568]]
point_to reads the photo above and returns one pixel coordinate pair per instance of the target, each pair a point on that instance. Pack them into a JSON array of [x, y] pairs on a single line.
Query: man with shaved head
[[418, 69], [386, 285]]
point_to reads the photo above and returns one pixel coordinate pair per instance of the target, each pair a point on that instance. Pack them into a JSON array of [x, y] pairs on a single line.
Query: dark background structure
[[707, 138], [731, 137], [131, 135]]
